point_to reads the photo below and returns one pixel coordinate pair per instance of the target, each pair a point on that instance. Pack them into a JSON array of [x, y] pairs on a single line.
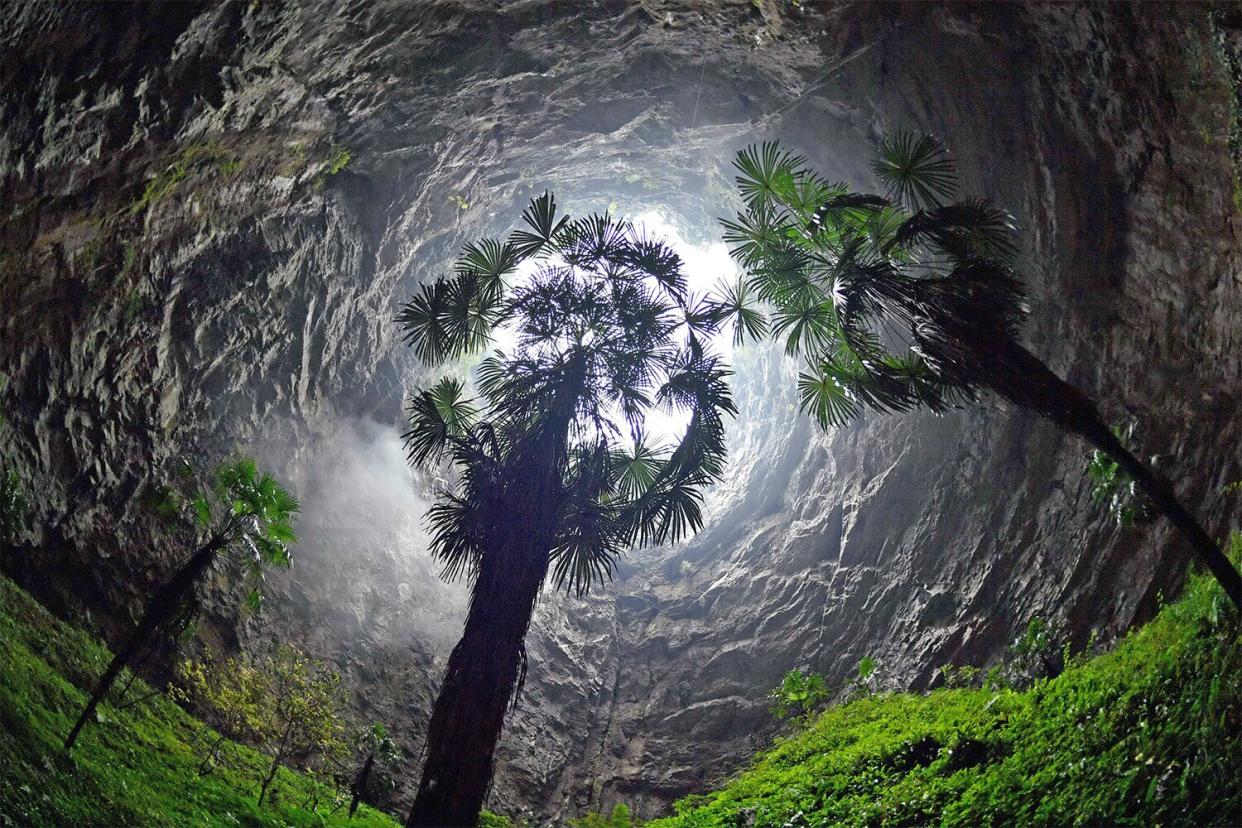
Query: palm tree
[[904, 301], [243, 513], [554, 470]]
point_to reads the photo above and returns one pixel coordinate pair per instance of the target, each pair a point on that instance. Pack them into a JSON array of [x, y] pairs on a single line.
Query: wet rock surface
[[210, 213]]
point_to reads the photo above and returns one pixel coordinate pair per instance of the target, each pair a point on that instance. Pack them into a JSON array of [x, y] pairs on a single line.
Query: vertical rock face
[[209, 214]]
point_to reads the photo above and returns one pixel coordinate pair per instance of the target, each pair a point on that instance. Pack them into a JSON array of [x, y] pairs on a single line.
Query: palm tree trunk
[[1021, 377], [162, 606], [483, 674], [488, 666]]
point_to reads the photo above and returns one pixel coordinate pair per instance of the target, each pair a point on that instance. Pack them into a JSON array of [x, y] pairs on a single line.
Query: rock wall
[[210, 213]]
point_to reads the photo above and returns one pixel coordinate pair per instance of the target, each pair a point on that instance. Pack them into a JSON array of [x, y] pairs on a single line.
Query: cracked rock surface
[[209, 215]]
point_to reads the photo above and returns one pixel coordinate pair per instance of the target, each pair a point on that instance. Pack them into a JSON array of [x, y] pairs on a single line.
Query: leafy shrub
[[619, 817], [1035, 654], [954, 676], [866, 680], [288, 705], [1112, 488], [13, 506], [798, 695]]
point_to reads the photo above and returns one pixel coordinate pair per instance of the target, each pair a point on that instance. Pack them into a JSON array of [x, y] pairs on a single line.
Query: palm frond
[[916, 170], [455, 538], [488, 259], [733, 304], [966, 230], [422, 320], [766, 173], [436, 416], [540, 216], [824, 397]]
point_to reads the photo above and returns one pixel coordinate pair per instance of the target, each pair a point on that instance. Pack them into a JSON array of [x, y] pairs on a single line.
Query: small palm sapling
[[242, 514], [377, 750]]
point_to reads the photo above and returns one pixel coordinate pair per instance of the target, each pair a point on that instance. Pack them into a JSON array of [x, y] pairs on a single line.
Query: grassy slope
[[1144, 735], [138, 766]]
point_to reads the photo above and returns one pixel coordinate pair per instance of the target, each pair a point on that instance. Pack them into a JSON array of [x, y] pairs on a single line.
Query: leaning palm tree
[[243, 514], [904, 301], [554, 471]]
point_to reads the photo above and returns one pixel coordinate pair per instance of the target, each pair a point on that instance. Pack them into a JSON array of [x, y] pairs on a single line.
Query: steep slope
[[1144, 735], [139, 765]]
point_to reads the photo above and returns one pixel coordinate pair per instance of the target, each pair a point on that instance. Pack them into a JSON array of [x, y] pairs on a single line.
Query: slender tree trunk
[[359, 785], [280, 754], [162, 606], [1024, 379]]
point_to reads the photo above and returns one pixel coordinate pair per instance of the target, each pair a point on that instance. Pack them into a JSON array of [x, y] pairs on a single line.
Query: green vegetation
[[1143, 735], [196, 157], [287, 704], [1222, 21], [241, 515], [13, 505], [619, 817], [141, 767], [375, 753], [905, 301], [337, 160], [1112, 488], [798, 695]]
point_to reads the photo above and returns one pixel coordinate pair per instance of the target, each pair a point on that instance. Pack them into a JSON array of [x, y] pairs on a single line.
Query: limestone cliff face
[[210, 213]]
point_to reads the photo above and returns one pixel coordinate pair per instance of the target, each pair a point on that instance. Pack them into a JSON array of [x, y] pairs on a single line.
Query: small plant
[[1037, 653], [866, 679], [1113, 488], [798, 696], [956, 677], [458, 201], [13, 506], [129, 259], [338, 159], [619, 817], [244, 515], [133, 304], [377, 750], [189, 160], [90, 255]]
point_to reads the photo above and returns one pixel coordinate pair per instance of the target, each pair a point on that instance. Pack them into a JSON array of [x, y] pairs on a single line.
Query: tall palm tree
[[554, 470], [903, 301], [244, 514]]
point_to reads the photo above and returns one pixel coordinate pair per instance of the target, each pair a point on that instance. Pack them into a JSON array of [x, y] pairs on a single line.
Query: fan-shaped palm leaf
[[824, 397], [916, 169], [540, 216], [766, 173], [733, 304]]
